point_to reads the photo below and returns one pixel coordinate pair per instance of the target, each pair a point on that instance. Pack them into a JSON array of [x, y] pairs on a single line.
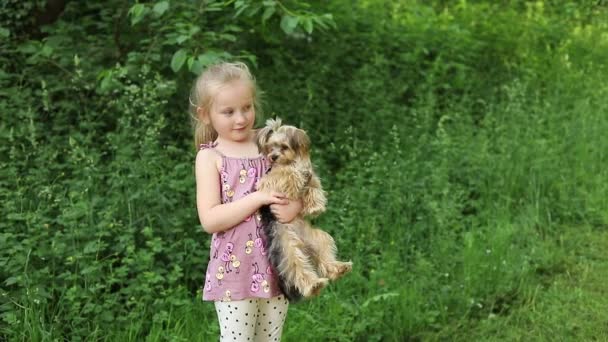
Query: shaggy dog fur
[[304, 256]]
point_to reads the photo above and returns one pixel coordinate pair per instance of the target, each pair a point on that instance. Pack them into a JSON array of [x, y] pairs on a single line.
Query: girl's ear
[[203, 115]]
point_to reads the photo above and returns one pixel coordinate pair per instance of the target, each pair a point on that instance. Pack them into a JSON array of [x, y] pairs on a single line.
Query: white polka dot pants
[[253, 319]]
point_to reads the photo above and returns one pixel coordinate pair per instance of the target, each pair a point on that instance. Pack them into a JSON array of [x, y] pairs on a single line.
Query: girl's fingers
[[278, 194], [280, 200]]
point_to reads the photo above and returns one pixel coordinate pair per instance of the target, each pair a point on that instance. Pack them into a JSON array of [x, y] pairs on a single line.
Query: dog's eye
[[284, 147]]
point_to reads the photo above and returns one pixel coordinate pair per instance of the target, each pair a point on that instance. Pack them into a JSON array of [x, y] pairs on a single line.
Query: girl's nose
[[241, 118]]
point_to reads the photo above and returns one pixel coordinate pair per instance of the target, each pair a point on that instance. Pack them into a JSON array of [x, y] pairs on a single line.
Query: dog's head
[[282, 144]]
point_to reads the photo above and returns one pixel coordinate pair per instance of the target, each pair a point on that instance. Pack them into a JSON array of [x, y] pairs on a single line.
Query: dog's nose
[[274, 157]]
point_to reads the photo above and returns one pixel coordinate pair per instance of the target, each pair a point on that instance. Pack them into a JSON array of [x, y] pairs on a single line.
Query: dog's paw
[[316, 287], [339, 269]]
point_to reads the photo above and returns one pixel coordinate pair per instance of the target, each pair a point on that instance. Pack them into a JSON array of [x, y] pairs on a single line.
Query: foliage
[[457, 141]]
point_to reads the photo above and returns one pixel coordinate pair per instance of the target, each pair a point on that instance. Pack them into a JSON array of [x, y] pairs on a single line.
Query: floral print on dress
[[249, 245], [217, 241], [227, 296], [228, 190], [258, 280], [207, 282], [220, 275], [235, 263], [226, 256]]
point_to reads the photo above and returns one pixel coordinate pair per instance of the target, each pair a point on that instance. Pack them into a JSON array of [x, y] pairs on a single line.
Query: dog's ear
[[262, 137], [300, 142], [264, 134], [274, 124]]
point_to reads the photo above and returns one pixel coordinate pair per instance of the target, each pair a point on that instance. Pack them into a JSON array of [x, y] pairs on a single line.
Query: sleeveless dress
[[238, 265]]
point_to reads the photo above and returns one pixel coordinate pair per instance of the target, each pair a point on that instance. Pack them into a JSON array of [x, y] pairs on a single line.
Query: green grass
[[567, 303]]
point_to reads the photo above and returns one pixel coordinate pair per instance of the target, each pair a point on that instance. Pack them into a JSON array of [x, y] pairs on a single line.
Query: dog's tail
[[290, 293]]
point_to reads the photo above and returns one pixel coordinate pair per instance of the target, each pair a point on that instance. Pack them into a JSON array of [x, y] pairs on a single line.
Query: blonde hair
[[205, 88]]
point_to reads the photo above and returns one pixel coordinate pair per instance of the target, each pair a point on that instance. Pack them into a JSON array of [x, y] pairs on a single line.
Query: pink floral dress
[[238, 265]]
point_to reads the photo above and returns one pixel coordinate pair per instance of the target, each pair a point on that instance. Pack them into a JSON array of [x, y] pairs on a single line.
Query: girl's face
[[232, 113]]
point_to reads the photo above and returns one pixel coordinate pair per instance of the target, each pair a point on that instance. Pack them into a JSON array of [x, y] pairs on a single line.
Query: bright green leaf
[[196, 67], [29, 47], [379, 297], [47, 51], [161, 7], [289, 23], [228, 37], [194, 30], [16, 216], [252, 59], [307, 23], [208, 58], [240, 10], [91, 247], [182, 38], [254, 10], [137, 13], [11, 280], [179, 57], [106, 83], [320, 22], [268, 13], [232, 28], [329, 19], [189, 62], [212, 8]]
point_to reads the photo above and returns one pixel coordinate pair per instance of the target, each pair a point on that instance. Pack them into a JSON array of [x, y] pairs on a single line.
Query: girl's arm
[[213, 215]]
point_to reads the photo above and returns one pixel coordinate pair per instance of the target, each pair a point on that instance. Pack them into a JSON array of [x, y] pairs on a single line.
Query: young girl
[[239, 278]]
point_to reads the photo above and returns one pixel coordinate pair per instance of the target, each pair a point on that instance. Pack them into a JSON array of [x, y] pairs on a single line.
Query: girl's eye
[[247, 108], [227, 112]]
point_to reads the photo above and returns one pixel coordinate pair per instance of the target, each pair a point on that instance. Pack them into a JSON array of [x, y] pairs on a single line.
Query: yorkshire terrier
[[303, 256]]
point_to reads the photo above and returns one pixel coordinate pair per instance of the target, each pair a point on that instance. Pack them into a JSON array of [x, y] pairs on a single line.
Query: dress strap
[[210, 145], [207, 145]]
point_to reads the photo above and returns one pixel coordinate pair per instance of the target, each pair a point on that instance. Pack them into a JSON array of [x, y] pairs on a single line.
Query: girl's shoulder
[[207, 155]]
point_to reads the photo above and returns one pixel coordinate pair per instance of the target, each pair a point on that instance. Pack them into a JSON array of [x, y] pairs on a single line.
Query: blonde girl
[[239, 278]]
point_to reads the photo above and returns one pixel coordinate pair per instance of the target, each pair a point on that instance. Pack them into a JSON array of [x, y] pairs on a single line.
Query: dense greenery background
[[462, 144]]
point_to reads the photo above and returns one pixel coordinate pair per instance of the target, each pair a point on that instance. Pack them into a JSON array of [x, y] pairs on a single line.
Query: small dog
[[304, 256]]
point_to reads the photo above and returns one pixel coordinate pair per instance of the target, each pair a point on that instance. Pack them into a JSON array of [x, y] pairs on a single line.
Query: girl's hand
[[273, 197], [285, 213]]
